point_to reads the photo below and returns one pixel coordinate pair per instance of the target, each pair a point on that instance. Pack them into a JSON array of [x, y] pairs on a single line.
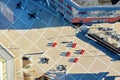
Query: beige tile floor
[[36, 40]]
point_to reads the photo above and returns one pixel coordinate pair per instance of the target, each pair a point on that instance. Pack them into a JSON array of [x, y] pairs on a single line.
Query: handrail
[[105, 44]]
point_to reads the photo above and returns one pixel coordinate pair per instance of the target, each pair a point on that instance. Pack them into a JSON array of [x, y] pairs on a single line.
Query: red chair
[[75, 60], [68, 54], [54, 44], [82, 51], [74, 45]]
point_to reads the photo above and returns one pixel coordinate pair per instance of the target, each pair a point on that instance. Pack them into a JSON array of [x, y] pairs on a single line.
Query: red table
[[67, 54], [75, 60], [82, 51], [74, 45]]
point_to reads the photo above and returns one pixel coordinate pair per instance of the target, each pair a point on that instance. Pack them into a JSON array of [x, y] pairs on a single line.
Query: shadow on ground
[[18, 19], [85, 76]]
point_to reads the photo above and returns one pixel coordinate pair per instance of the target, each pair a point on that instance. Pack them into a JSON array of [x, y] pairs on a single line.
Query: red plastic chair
[[74, 45], [82, 51], [67, 54], [75, 60], [54, 44]]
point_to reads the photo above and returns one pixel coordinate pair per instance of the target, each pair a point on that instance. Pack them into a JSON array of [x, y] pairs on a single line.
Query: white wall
[[1, 71]]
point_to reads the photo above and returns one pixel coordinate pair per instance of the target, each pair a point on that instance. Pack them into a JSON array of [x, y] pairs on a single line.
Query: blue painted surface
[[47, 16], [86, 76]]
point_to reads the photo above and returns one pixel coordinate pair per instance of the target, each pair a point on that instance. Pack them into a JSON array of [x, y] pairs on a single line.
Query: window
[[69, 7], [61, 1], [53, 1], [53, 6], [60, 7], [68, 13]]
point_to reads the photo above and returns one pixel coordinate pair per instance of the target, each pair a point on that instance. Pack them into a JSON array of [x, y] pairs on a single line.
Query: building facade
[[74, 11], [6, 64]]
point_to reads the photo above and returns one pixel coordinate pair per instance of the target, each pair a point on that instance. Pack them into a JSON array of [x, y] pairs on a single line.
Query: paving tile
[[32, 36], [4, 22], [112, 72], [5, 40], [50, 33], [86, 60], [75, 69], [97, 66], [31, 7], [116, 67], [42, 44], [14, 35], [23, 43], [54, 55], [33, 49]]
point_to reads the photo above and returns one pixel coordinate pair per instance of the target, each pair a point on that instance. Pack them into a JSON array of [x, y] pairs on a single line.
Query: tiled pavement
[[32, 36]]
